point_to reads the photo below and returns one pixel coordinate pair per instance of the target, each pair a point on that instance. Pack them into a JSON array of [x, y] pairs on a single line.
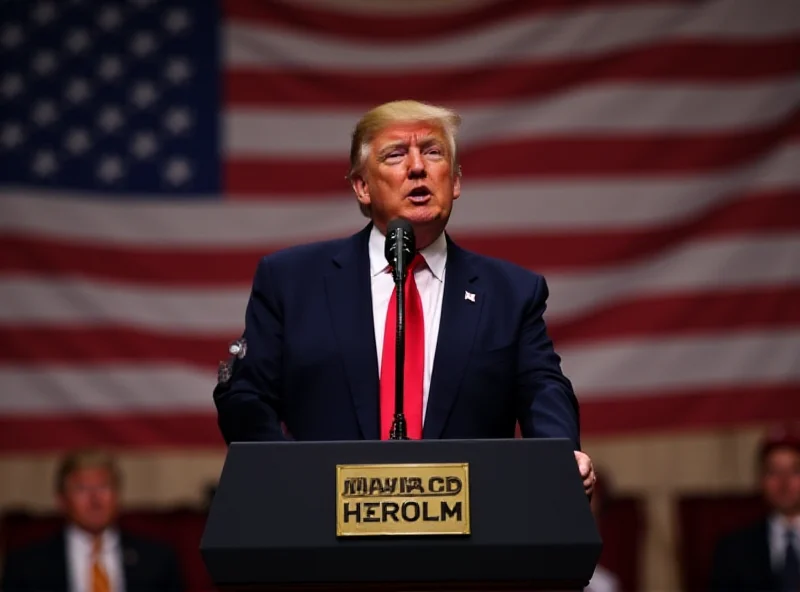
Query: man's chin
[[427, 228], [424, 216]]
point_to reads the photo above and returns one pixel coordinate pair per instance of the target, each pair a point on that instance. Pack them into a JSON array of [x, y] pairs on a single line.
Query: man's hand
[[586, 470]]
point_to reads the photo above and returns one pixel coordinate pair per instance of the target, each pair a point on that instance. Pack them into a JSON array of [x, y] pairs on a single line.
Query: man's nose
[[416, 168]]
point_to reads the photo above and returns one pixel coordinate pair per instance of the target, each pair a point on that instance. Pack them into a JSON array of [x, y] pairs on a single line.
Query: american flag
[[643, 155]]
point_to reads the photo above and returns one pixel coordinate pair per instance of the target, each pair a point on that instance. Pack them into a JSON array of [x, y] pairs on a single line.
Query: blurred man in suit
[[320, 320], [91, 554], [766, 556]]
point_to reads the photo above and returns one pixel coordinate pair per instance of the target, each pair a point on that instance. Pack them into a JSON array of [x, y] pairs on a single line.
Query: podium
[[417, 515]]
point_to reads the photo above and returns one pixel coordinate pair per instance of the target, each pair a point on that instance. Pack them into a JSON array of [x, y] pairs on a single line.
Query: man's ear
[[457, 186], [361, 189]]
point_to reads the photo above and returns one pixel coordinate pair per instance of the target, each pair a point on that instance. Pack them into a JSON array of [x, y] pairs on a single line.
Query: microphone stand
[[399, 427]]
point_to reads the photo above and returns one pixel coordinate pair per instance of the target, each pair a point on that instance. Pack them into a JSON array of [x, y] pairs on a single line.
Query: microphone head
[[400, 235]]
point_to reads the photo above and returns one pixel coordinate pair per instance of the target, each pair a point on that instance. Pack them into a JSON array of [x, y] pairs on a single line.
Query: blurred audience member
[[602, 580], [91, 554], [766, 555]]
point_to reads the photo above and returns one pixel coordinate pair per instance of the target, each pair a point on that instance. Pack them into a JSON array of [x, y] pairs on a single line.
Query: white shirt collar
[[435, 254], [780, 525], [85, 539], [778, 528]]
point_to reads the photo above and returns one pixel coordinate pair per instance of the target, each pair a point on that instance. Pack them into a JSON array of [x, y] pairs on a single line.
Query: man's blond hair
[[406, 111], [86, 459]]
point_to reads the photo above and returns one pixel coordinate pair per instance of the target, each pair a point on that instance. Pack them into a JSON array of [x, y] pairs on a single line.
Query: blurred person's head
[[404, 164], [87, 489], [779, 459]]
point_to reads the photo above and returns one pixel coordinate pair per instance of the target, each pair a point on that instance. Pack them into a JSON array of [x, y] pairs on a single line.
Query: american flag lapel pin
[[469, 296]]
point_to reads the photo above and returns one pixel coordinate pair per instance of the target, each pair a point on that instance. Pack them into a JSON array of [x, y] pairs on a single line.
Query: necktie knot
[[791, 538], [97, 545], [416, 262]]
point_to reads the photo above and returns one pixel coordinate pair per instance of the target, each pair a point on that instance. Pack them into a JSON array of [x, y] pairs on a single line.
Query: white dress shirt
[[430, 283], [79, 559], [602, 581], [777, 540]]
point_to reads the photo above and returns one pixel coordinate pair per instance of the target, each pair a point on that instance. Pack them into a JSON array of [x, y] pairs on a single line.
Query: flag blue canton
[[113, 97]]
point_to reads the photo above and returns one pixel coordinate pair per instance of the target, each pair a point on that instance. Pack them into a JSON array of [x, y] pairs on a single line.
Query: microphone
[[400, 247], [399, 250]]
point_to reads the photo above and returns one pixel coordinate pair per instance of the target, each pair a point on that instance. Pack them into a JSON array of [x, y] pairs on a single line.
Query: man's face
[[90, 499], [408, 174], [780, 480]]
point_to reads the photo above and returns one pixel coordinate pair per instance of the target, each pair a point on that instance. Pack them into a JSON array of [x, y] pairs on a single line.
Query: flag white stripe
[[45, 302], [694, 265], [641, 367], [660, 108], [541, 36], [108, 388], [691, 266], [666, 364], [485, 207]]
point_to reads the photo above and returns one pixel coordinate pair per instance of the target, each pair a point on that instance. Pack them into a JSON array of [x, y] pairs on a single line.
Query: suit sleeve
[[546, 403], [249, 409]]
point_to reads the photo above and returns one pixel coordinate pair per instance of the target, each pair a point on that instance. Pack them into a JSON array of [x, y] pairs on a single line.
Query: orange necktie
[[414, 359], [98, 577]]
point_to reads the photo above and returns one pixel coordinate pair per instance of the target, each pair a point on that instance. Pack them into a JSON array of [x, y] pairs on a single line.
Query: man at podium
[[321, 321]]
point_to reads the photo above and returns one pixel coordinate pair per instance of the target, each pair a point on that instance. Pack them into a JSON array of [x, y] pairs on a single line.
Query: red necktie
[[414, 359]]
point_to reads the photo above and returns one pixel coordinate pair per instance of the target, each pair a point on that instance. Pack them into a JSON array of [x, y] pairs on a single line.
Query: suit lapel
[[461, 309], [761, 557], [130, 562], [349, 295], [58, 571]]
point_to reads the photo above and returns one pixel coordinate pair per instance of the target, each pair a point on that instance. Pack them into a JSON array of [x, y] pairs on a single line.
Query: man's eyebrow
[[428, 140], [423, 142], [392, 146]]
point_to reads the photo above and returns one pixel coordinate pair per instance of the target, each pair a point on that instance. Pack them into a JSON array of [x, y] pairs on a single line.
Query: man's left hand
[[586, 470]]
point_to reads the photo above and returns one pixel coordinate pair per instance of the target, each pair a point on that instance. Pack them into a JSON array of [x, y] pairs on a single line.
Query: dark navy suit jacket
[[741, 561], [148, 566], [312, 361]]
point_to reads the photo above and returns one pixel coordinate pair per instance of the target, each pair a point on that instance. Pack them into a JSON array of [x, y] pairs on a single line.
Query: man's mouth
[[419, 194]]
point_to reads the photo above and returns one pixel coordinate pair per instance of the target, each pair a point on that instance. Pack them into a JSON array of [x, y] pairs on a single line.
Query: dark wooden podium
[[273, 522]]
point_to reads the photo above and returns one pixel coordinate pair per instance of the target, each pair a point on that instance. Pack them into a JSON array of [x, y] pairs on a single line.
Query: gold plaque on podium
[[402, 499]]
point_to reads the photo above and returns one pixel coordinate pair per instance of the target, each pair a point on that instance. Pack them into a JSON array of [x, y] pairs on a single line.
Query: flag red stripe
[[686, 409], [133, 429], [594, 156], [647, 317], [579, 249], [108, 345], [397, 26], [685, 61], [543, 251], [629, 415]]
